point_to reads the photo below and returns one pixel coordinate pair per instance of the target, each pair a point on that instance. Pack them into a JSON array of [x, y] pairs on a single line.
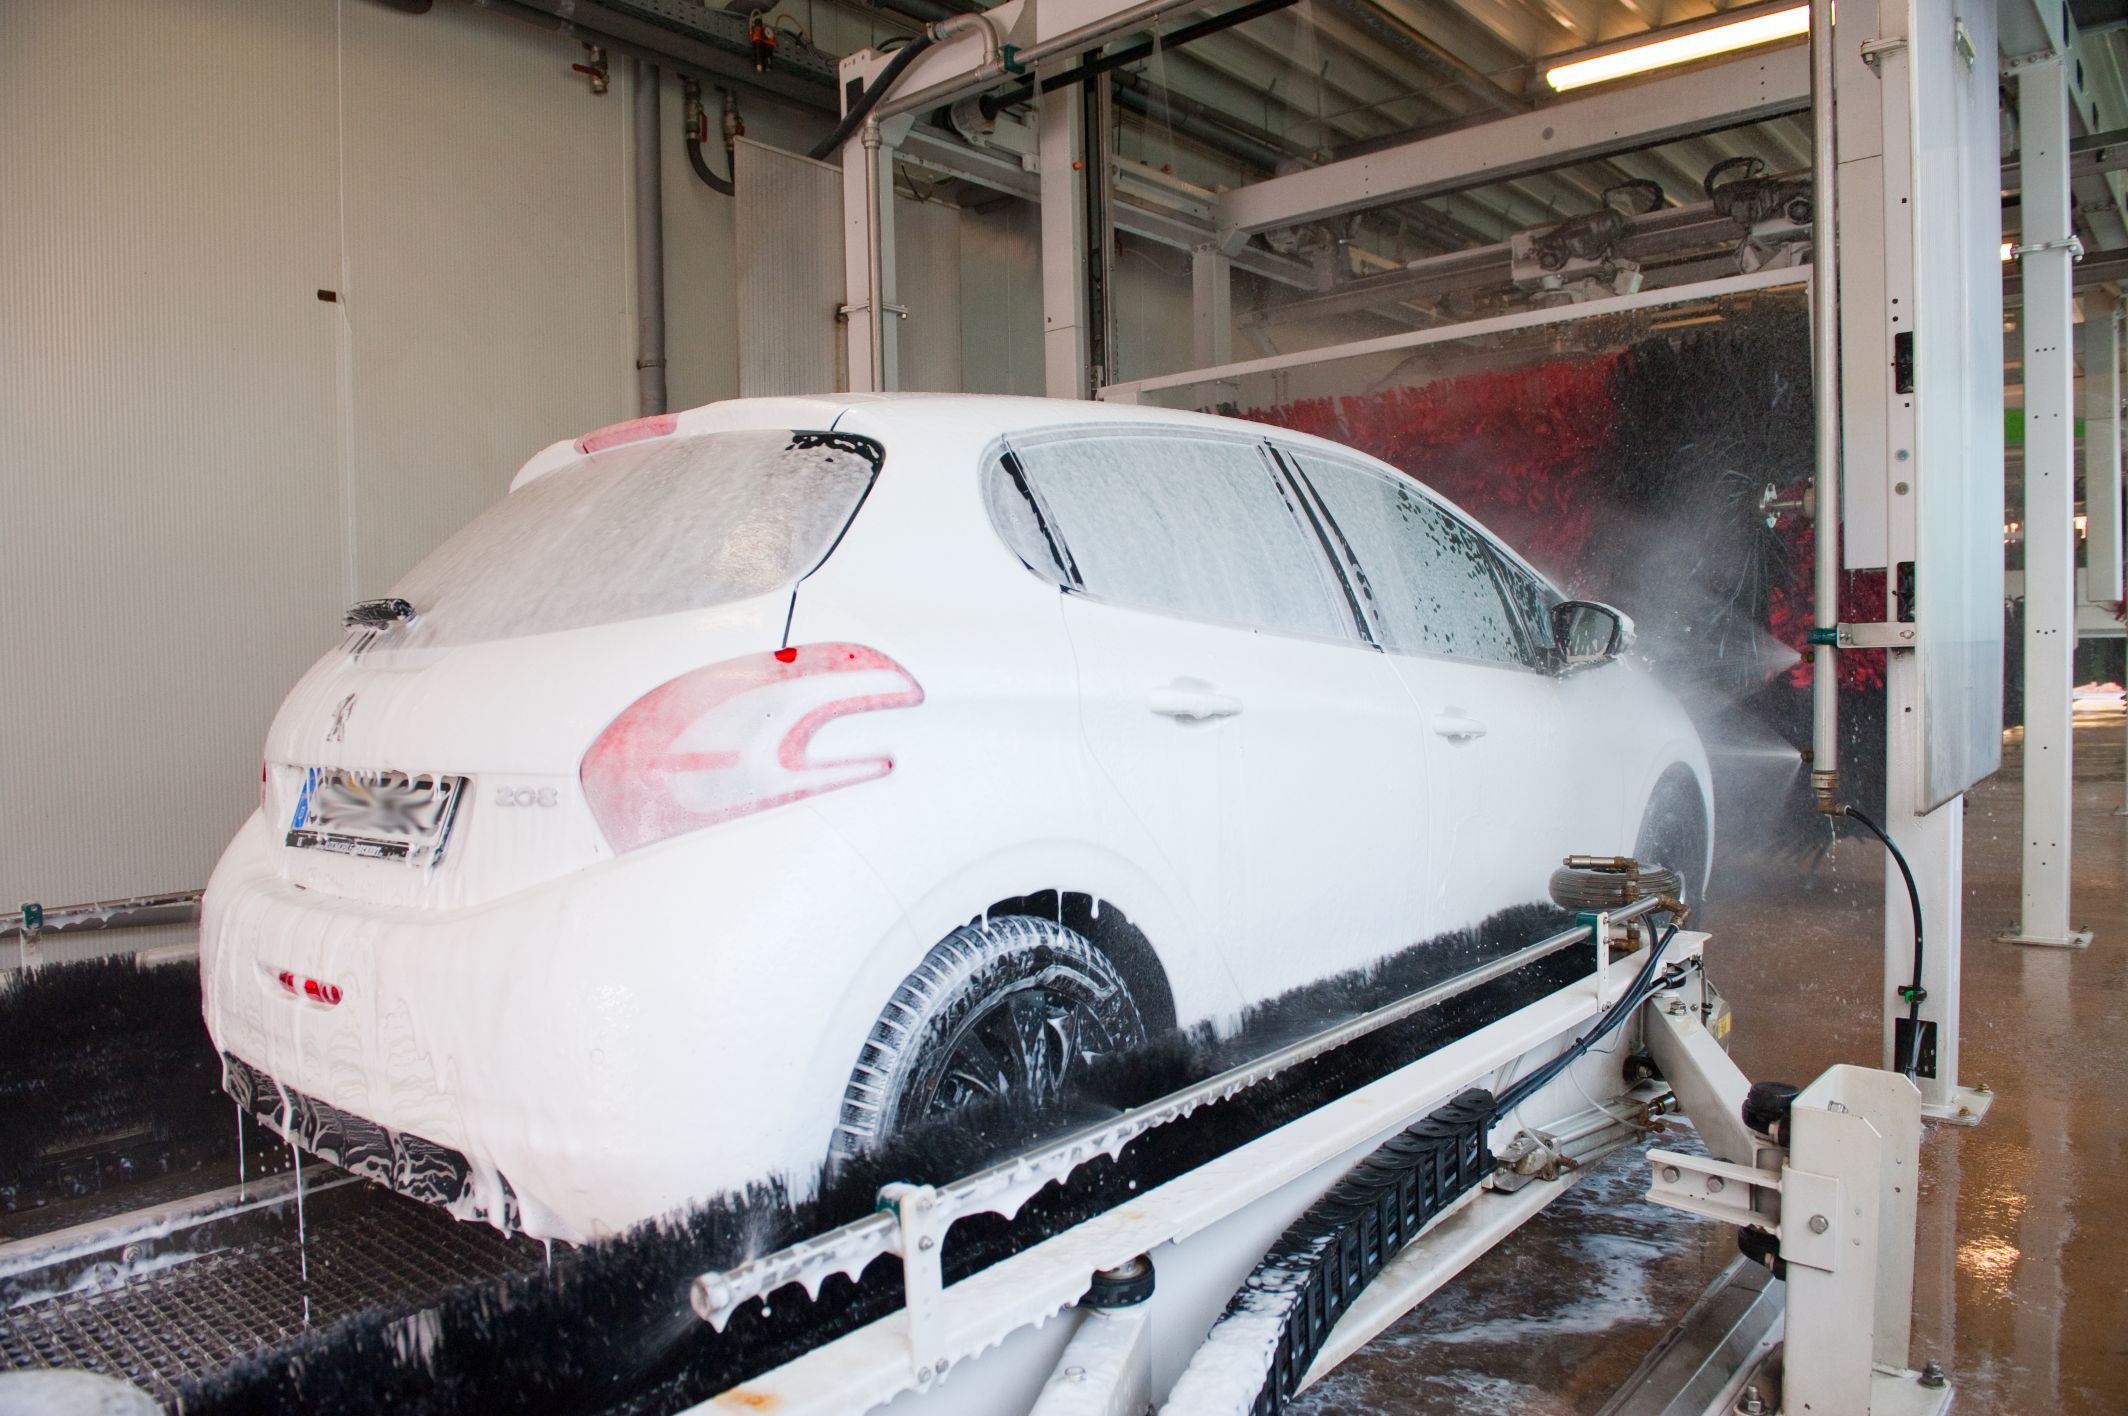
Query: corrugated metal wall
[[201, 461], [789, 262]]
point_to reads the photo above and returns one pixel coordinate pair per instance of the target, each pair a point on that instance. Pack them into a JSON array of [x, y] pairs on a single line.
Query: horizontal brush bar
[[133, 912], [1002, 1188]]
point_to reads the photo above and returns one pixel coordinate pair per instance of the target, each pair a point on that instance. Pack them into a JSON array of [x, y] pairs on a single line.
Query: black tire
[[1013, 1006], [1673, 831]]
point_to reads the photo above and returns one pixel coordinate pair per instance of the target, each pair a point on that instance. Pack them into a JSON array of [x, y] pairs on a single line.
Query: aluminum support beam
[[2047, 254], [1738, 91], [870, 326], [1212, 305], [2099, 351], [1060, 126]]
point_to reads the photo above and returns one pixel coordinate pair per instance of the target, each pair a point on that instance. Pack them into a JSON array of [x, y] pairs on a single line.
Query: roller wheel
[[1589, 889], [1008, 1008]]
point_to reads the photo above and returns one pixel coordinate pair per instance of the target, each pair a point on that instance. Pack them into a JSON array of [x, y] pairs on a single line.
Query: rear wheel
[[1013, 1007]]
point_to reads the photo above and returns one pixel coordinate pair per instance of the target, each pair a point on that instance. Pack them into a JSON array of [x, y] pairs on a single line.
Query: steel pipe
[[1825, 389], [132, 912], [649, 243]]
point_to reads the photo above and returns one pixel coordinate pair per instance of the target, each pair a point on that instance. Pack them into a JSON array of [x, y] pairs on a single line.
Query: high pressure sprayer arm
[[1825, 388]]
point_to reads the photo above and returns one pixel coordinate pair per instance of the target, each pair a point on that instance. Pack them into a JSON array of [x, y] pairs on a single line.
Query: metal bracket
[[843, 312], [920, 1227], [1876, 636], [1962, 41], [2073, 245], [1742, 1195], [1811, 1211], [1874, 50], [2016, 63]]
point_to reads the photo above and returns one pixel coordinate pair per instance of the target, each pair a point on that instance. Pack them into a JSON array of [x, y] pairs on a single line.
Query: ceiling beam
[[1576, 130]]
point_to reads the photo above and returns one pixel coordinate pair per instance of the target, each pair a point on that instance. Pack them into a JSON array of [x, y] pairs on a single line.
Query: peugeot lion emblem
[[338, 731]]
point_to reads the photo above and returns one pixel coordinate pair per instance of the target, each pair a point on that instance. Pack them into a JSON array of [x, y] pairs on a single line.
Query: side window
[[1199, 527], [1532, 600], [1427, 573]]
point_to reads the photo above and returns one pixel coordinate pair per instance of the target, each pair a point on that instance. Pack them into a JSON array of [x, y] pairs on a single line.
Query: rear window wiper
[[376, 614]]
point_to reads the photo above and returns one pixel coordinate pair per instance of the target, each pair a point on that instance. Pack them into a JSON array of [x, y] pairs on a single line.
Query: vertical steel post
[[2099, 348], [872, 339], [1825, 371], [1885, 213], [2048, 251], [649, 242], [1212, 304], [1060, 127]]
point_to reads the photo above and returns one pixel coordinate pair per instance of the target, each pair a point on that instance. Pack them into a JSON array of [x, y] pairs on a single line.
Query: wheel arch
[[1111, 931]]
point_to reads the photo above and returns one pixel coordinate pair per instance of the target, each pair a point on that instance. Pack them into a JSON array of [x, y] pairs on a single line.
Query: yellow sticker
[[1721, 1026]]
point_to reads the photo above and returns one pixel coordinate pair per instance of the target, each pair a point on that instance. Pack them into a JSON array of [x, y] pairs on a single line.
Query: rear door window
[[1425, 572], [648, 528], [1186, 525]]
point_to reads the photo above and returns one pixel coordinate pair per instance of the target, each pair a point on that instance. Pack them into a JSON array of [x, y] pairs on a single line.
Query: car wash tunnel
[[1075, 707]]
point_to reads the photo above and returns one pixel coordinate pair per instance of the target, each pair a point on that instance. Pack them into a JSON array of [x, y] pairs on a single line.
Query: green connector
[[1827, 635]]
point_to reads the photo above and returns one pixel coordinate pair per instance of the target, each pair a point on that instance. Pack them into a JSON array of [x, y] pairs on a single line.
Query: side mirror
[[1586, 633]]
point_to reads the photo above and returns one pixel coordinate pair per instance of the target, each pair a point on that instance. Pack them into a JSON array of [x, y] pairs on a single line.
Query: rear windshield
[[649, 528]]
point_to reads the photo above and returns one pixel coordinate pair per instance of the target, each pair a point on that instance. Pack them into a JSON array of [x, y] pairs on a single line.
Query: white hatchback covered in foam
[[755, 780]]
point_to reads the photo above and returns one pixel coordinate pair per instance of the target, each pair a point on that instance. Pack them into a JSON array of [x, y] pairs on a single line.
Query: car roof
[[971, 415]]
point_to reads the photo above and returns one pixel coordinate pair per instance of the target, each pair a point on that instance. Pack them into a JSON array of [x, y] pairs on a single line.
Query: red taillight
[[657, 425], [316, 990], [731, 739]]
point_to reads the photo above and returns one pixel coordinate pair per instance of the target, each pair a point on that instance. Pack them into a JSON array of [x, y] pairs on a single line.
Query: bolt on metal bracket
[[2073, 245], [921, 1223]]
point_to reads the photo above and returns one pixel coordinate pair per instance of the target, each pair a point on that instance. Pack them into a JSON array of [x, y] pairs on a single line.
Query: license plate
[[376, 815]]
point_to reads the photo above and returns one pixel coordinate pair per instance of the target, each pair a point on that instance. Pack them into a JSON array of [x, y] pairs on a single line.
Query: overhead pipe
[[649, 243], [1825, 389]]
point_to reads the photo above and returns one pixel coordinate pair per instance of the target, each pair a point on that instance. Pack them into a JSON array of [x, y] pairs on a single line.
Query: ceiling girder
[[1576, 130]]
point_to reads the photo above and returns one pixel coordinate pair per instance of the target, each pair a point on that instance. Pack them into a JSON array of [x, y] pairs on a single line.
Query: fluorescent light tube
[[1680, 49]]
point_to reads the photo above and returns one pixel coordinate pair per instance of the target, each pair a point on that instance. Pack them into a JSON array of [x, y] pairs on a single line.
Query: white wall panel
[[927, 245], [489, 299], [788, 252], [1001, 299], [169, 547]]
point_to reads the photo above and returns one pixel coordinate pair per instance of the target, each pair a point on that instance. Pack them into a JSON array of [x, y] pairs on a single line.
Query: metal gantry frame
[[2047, 251]]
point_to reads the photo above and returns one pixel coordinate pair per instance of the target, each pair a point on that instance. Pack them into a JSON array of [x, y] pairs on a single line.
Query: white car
[[755, 780]]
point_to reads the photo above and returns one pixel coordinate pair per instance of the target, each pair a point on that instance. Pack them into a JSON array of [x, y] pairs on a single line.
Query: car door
[[1229, 699], [1488, 712]]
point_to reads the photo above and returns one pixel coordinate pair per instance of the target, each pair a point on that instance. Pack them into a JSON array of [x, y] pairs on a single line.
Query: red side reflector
[[658, 425], [316, 990]]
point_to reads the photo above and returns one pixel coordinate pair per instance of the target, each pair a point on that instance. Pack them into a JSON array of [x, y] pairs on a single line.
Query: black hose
[[1644, 984], [701, 167], [875, 91], [1913, 992]]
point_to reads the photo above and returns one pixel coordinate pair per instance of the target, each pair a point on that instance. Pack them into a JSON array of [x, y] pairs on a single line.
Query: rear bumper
[[571, 1059]]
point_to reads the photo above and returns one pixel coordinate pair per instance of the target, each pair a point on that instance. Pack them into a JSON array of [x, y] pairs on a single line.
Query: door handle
[[1192, 703], [1456, 727]]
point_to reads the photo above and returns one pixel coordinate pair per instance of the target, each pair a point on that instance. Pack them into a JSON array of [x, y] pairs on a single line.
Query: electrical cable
[[1644, 984], [1913, 993], [869, 99]]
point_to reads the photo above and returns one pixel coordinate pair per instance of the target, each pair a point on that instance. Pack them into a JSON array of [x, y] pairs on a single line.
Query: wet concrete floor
[[2021, 1274]]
